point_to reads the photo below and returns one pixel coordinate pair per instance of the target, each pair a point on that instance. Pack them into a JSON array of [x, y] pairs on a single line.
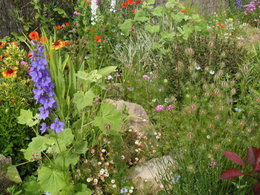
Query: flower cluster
[[94, 17], [252, 6], [43, 88], [113, 6], [160, 108]]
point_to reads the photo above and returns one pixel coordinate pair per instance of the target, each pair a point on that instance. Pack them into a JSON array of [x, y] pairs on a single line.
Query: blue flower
[[44, 113], [43, 128], [123, 190], [57, 126]]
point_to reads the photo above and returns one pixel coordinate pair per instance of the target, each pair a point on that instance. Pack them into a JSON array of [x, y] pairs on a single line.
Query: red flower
[[29, 55], [43, 40], [130, 2], [10, 72], [133, 10], [217, 23], [138, 1], [34, 35], [92, 29], [98, 39], [58, 27], [124, 4], [222, 26], [15, 43], [183, 10], [88, 2], [67, 24]]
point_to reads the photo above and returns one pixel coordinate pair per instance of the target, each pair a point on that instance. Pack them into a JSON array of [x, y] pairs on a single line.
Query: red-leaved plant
[[253, 159]]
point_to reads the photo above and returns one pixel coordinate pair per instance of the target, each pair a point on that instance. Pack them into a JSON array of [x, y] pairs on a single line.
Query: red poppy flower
[[15, 43], [124, 4], [10, 72], [222, 26], [67, 24], [29, 55], [58, 27], [133, 10], [183, 10], [130, 2], [34, 35], [98, 39], [138, 1]]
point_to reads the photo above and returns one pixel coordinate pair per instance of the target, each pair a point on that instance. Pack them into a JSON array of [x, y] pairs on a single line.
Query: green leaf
[[66, 159], [61, 12], [35, 148], [126, 26], [107, 70], [51, 180], [156, 45], [26, 118], [64, 139], [168, 36], [140, 16], [178, 17], [81, 147], [82, 189], [152, 28], [81, 99], [108, 116], [32, 188], [158, 11], [13, 174]]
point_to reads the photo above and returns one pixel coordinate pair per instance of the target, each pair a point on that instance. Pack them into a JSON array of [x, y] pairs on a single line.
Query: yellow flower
[[10, 72], [231, 19], [58, 45]]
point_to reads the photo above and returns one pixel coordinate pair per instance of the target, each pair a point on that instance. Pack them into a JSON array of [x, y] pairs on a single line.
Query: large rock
[[138, 119], [148, 174], [4, 181]]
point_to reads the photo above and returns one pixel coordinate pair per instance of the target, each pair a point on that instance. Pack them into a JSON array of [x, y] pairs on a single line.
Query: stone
[[147, 175], [4, 181], [138, 119]]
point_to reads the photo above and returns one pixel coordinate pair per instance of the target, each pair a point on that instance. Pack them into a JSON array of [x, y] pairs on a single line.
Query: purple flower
[[213, 164], [159, 108], [44, 113], [146, 77], [57, 126], [169, 108], [43, 128]]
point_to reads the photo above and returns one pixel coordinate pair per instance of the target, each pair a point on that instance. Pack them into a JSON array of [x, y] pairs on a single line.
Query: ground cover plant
[[194, 76]]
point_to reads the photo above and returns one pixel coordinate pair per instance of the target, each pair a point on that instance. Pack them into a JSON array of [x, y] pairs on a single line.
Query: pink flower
[[159, 108], [76, 13], [23, 63], [146, 77], [169, 108], [117, 75]]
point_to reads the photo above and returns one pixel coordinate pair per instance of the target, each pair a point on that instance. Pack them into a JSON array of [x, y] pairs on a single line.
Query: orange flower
[[133, 10], [58, 27], [15, 43], [58, 45], [67, 24], [217, 23], [183, 10], [67, 43], [34, 35], [29, 55], [138, 1], [88, 2], [43, 40], [98, 39], [124, 4], [92, 29], [130, 2], [1, 57], [222, 26], [2, 44], [10, 72]]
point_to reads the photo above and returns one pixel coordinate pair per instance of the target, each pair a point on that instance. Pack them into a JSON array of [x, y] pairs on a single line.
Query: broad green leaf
[[152, 28], [51, 180], [107, 70], [82, 75], [82, 189], [13, 174], [81, 99], [64, 139], [178, 17], [66, 159], [126, 26], [26, 117], [168, 36], [140, 16], [108, 119], [158, 11], [32, 188], [35, 148], [81, 147]]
